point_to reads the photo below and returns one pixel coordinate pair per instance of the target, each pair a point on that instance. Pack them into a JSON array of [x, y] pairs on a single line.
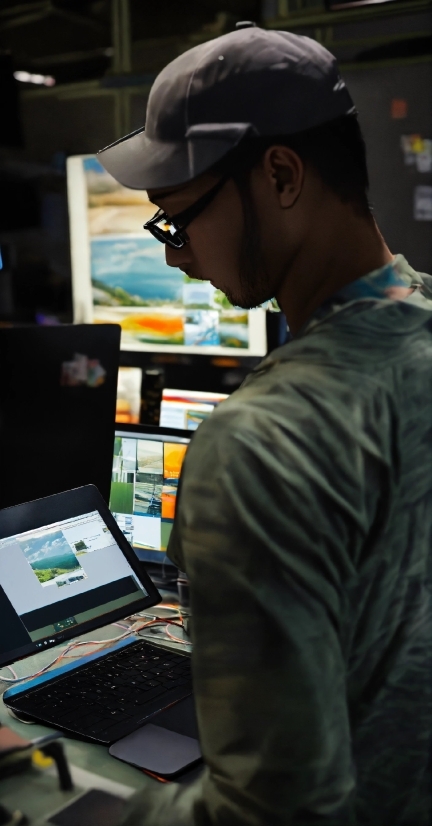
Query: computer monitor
[[146, 469], [57, 409], [186, 409], [119, 274]]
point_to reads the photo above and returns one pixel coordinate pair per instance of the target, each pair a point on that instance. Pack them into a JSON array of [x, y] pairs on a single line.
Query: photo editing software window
[[144, 485], [119, 274], [60, 576]]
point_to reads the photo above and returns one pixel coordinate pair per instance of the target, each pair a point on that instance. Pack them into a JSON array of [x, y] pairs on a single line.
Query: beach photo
[[112, 208]]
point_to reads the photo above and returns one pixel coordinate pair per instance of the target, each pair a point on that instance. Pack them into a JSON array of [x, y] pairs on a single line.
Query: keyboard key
[[149, 695]]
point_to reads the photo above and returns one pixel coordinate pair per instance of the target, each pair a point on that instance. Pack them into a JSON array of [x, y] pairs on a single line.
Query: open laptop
[[146, 469], [57, 408], [65, 569]]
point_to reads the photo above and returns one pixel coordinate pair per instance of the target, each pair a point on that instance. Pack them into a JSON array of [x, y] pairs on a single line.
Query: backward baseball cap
[[248, 82]]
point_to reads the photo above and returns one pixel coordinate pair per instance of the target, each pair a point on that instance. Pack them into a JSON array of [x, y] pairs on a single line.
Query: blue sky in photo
[[44, 547], [137, 265]]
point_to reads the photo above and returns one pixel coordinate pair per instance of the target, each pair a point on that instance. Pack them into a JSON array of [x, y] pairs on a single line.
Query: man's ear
[[285, 170]]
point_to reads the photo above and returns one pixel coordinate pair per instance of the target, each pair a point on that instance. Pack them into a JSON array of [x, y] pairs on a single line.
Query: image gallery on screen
[[144, 489]]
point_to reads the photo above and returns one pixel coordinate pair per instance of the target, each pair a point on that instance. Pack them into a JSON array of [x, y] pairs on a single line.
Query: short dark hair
[[335, 149]]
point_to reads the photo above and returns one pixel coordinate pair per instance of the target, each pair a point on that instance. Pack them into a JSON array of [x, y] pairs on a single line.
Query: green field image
[[122, 497], [50, 573], [80, 547], [53, 566]]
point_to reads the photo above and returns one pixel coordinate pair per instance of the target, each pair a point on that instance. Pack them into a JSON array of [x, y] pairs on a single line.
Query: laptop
[[57, 408], [65, 569], [146, 468]]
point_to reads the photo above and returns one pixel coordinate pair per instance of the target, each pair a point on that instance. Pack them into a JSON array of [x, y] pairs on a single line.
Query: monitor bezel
[[59, 507], [152, 430]]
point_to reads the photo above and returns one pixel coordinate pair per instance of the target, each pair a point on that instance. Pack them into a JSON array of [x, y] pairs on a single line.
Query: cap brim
[[140, 163]]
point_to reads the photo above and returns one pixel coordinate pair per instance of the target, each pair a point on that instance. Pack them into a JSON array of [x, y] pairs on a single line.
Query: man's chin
[[246, 302]]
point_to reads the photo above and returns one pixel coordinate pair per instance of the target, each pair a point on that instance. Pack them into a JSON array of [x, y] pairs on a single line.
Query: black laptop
[[66, 568], [57, 409]]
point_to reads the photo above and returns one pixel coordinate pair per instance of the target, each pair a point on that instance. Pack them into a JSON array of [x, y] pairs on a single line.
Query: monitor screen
[[146, 471], [60, 577], [119, 274], [186, 409]]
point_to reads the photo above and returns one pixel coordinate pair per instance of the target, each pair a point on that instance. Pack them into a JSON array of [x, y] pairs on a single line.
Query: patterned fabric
[[305, 526]]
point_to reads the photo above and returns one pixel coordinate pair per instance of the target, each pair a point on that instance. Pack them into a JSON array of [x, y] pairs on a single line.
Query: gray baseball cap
[[250, 81]]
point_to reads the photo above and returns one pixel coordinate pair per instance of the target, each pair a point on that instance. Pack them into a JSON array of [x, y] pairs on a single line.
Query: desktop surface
[[36, 792]]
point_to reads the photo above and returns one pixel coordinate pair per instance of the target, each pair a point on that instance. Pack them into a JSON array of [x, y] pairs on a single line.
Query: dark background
[[104, 55]]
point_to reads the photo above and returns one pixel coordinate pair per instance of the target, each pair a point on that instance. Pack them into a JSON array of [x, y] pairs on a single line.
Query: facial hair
[[255, 283]]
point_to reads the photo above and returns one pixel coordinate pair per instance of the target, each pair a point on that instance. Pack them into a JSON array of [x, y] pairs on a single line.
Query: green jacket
[[305, 526]]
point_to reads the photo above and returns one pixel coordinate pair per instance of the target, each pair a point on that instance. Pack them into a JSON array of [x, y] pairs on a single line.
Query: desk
[[36, 792]]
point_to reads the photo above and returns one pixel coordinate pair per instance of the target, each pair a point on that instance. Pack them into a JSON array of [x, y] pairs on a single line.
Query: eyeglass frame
[[182, 219]]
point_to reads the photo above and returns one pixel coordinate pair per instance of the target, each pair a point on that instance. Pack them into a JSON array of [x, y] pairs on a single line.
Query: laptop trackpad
[[157, 750], [165, 746]]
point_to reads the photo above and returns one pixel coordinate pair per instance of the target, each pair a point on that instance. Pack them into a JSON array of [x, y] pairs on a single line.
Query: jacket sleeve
[[270, 515]]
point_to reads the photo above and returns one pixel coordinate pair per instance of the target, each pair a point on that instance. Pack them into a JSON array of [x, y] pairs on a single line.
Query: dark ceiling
[[72, 39]]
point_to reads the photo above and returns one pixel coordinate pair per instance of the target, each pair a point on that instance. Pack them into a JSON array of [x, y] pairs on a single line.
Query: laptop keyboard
[[112, 694]]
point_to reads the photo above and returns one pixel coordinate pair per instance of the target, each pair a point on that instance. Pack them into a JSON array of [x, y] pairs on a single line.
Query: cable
[[134, 628], [183, 642]]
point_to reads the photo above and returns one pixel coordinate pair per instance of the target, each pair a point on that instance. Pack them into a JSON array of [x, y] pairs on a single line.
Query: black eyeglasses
[[172, 231]]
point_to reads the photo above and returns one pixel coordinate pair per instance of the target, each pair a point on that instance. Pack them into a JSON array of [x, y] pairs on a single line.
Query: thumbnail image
[[80, 547], [169, 496], [150, 457], [123, 475], [201, 327], [173, 459], [51, 559], [126, 525], [147, 501], [149, 478], [234, 328], [198, 295]]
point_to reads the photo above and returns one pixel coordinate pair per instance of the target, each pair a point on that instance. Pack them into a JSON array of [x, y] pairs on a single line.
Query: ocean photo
[[131, 272]]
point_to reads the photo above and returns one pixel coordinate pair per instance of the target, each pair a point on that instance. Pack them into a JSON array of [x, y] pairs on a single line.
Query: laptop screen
[[146, 471], [59, 577]]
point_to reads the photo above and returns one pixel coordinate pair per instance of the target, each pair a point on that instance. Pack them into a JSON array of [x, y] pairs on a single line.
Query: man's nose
[[177, 258]]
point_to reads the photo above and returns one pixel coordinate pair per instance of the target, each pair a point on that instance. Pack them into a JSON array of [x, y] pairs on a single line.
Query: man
[[305, 516]]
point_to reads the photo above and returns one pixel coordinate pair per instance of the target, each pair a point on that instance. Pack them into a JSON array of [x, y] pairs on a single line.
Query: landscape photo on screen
[[133, 286], [52, 559]]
